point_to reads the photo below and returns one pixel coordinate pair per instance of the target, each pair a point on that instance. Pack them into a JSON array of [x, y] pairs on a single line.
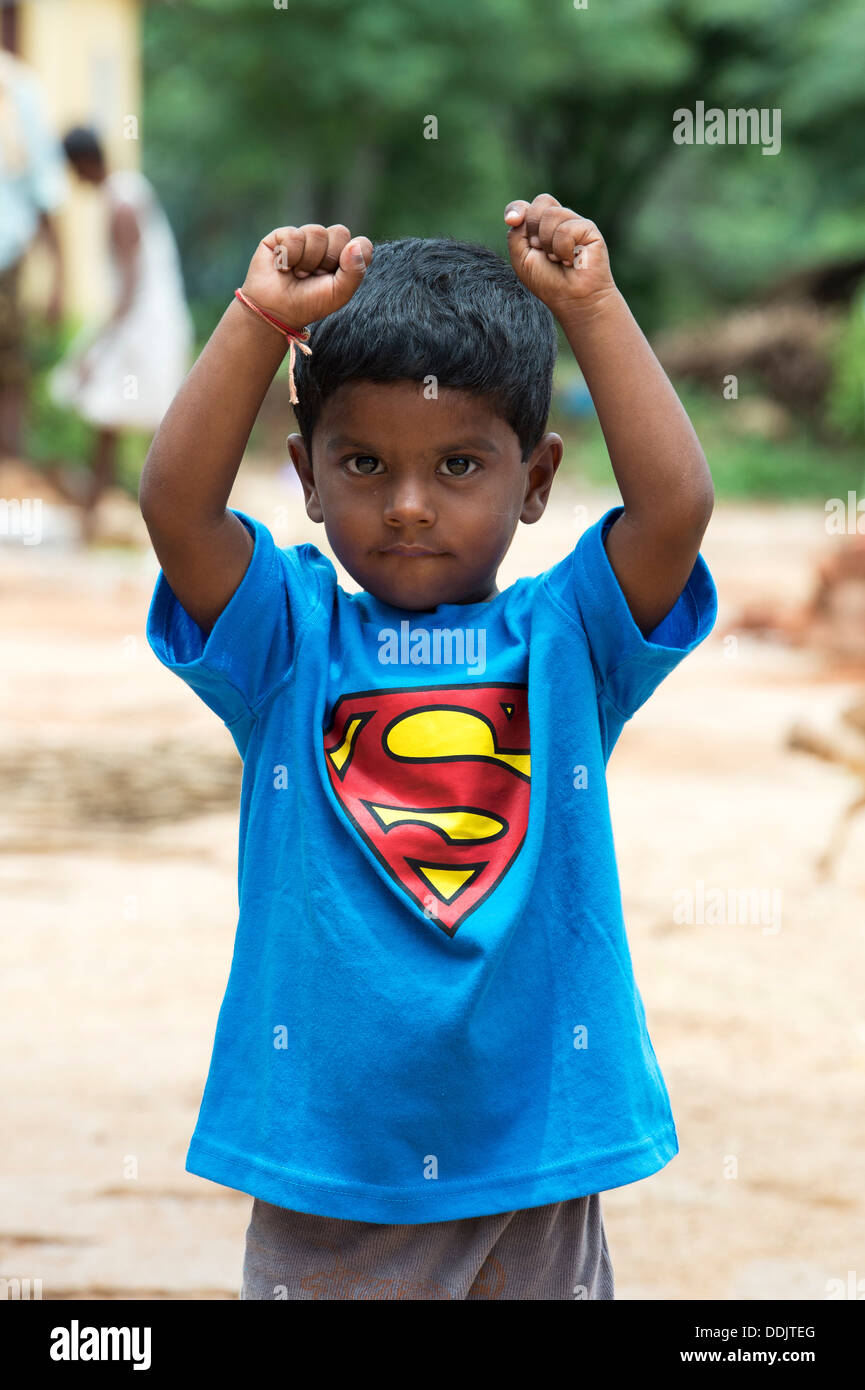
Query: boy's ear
[[303, 468], [540, 470]]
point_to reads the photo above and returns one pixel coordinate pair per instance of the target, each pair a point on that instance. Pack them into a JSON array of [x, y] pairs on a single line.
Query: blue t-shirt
[[431, 1011]]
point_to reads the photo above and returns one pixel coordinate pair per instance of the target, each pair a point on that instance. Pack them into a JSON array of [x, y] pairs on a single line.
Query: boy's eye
[[468, 465], [365, 465], [362, 460]]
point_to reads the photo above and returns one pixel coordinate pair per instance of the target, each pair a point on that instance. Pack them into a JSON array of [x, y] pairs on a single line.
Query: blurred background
[[216, 121]]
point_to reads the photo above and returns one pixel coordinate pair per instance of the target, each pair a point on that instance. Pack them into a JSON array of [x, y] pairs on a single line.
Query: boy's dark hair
[[82, 142], [443, 308]]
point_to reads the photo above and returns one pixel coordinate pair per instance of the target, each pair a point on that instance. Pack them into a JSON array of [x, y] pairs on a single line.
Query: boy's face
[[392, 468]]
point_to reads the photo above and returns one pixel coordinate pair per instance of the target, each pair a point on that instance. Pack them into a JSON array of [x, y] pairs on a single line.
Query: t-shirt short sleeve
[[629, 666], [252, 645]]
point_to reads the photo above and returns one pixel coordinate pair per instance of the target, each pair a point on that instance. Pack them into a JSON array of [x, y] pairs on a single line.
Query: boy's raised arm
[[659, 465], [299, 275]]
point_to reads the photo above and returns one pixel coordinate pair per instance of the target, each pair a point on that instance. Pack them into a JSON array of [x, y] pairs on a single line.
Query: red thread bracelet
[[296, 338]]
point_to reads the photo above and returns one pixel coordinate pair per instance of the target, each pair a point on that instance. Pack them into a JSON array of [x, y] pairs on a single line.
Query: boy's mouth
[[416, 551]]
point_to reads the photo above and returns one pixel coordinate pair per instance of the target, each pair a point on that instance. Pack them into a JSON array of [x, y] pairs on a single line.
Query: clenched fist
[[302, 274], [560, 256]]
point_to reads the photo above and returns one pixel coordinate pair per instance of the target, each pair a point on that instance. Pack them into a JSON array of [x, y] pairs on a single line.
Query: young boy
[[432, 1056]]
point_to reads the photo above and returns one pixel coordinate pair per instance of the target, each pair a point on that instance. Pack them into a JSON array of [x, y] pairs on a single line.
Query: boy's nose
[[408, 504]]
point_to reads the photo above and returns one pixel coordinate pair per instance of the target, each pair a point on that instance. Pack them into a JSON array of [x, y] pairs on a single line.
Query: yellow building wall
[[86, 53]]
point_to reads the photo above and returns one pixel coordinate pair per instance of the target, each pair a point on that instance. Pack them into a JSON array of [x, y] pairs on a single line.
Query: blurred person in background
[[32, 186], [125, 373]]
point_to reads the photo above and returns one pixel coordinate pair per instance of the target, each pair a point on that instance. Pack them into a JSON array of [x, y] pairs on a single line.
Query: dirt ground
[[118, 841]]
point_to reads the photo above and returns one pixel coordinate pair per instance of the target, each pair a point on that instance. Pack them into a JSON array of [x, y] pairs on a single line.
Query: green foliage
[[52, 433], [257, 115], [742, 465], [846, 405]]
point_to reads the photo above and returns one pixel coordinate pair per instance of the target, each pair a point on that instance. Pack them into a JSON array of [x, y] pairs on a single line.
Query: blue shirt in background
[[431, 1011], [32, 162]]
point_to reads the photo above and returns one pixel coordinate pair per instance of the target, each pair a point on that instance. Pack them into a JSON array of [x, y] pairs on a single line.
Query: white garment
[[32, 173], [140, 362]]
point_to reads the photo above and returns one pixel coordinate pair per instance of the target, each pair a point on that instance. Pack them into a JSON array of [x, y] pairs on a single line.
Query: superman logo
[[437, 782]]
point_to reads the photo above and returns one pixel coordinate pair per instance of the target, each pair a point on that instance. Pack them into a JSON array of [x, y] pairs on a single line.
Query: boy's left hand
[[560, 256]]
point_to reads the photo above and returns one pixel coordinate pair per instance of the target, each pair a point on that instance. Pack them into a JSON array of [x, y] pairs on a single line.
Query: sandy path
[[118, 828]]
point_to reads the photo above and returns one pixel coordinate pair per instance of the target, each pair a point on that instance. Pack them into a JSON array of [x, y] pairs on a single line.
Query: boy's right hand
[[302, 274]]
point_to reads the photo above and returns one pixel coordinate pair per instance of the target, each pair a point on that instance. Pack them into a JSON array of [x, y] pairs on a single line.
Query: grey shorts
[[551, 1252]]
